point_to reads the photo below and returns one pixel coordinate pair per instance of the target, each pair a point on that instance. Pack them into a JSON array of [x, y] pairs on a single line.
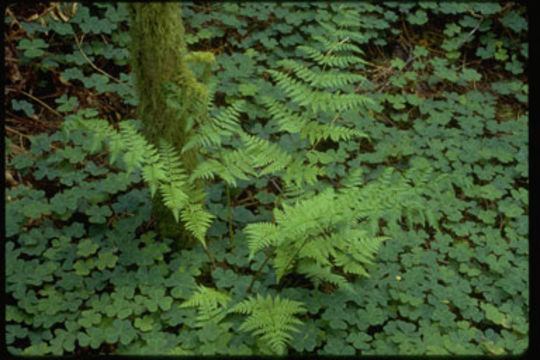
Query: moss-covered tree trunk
[[158, 60]]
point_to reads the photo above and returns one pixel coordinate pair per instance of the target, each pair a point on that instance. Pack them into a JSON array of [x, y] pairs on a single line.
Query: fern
[[318, 87], [316, 100], [173, 189], [334, 233], [317, 78], [161, 168], [212, 132], [254, 158], [327, 58], [261, 235], [318, 274], [211, 305], [319, 236], [197, 221], [272, 319], [293, 122]]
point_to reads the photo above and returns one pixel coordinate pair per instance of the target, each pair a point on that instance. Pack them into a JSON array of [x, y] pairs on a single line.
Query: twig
[[471, 33], [296, 253], [36, 100], [335, 45], [10, 129], [275, 183], [256, 275], [94, 66], [409, 60], [210, 257], [11, 15], [229, 218]]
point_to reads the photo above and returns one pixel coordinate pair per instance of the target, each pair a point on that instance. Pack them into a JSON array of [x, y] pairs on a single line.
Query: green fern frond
[[354, 179], [174, 197], [320, 249], [265, 155], [209, 168], [317, 100], [319, 236], [339, 46], [261, 235], [154, 174], [325, 58], [212, 132], [237, 163], [211, 304], [174, 189], [171, 162], [197, 221], [285, 259], [343, 32], [271, 319], [206, 296], [317, 273], [323, 79]]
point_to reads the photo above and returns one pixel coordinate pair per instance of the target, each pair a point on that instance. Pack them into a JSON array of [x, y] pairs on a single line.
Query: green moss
[[158, 60]]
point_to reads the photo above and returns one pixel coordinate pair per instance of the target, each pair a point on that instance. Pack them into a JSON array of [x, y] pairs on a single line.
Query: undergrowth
[[366, 171]]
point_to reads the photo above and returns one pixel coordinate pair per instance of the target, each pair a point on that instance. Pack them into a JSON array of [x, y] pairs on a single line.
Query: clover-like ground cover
[[85, 273]]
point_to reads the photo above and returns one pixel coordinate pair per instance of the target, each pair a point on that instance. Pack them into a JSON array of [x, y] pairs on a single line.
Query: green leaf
[[23, 105], [98, 214], [418, 18], [83, 267], [32, 48], [470, 75], [87, 247], [515, 22], [64, 341], [66, 104], [89, 318], [106, 259], [145, 323], [493, 314], [120, 330]]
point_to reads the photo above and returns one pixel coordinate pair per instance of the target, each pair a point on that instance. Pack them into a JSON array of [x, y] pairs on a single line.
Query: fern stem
[[258, 273], [330, 123], [275, 184], [210, 257], [229, 218], [296, 253]]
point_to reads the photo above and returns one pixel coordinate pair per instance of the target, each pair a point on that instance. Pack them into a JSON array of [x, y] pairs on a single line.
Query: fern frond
[[265, 155], [174, 197], [314, 99], [210, 303], [261, 235], [317, 273], [154, 174], [324, 79], [174, 189], [325, 58], [209, 168], [339, 46], [171, 162], [237, 163], [272, 319], [354, 179], [214, 129], [343, 33], [197, 221], [320, 249], [285, 258], [136, 145]]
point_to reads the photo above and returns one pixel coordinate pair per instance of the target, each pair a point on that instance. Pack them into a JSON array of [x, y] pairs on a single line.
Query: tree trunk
[[158, 60]]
